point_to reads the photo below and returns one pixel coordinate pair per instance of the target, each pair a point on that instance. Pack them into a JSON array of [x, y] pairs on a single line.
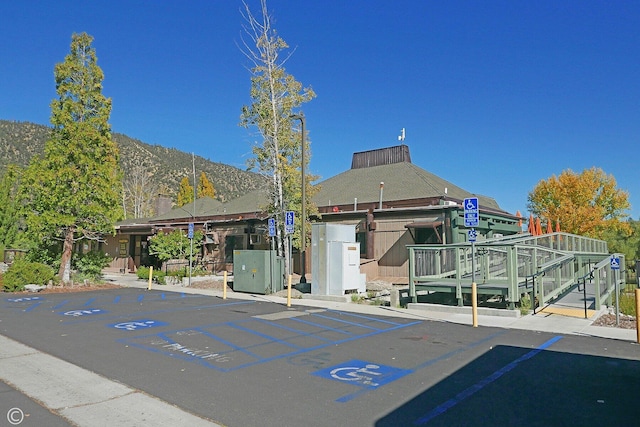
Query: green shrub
[[90, 265], [525, 304], [142, 272], [23, 273], [158, 275], [628, 303]]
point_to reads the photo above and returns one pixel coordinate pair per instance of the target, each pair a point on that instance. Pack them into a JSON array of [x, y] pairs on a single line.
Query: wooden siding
[[391, 238]]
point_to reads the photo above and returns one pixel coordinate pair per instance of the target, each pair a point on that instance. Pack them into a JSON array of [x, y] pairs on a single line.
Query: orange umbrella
[[519, 215], [557, 225], [531, 229], [549, 228], [538, 227]]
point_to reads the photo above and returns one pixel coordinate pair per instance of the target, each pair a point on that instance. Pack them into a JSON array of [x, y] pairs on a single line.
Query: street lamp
[[303, 265]]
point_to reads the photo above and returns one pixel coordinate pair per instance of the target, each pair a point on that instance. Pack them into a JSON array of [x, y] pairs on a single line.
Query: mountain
[[20, 141]]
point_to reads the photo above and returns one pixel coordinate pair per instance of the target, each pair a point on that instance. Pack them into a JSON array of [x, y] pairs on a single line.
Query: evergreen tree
[[72, 192], [205, 187], [10, 217], [185, 192]]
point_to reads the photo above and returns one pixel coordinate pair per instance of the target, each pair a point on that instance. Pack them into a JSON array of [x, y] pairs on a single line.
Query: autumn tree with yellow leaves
[[587, 203], [205, 187]]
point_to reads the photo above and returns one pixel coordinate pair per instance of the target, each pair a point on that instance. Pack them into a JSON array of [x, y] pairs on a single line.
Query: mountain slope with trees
[[20, 141]]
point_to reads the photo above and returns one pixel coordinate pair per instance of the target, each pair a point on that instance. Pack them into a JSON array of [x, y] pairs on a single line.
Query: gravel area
[[609, 319]]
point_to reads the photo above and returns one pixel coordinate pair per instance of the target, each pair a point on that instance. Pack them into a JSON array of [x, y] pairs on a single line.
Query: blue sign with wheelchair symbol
[[289, 222], [615, 263], [471, 212]]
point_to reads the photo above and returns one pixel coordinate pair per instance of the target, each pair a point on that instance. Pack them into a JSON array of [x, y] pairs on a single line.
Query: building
[[391, 201]]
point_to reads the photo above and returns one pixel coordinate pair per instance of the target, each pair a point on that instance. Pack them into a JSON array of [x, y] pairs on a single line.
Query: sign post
[[289, 223], [615, 266], [472, 219], [190, 236]]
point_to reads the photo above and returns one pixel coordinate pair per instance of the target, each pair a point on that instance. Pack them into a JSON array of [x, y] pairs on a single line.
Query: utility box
[[257, 271], [336, 260]]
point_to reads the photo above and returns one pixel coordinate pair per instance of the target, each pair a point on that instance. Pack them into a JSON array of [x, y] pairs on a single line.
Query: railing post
[[412, 275], [512, 271]]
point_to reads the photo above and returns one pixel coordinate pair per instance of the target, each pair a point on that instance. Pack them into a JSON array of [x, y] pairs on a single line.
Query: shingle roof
[[402, 181], [204, 206]]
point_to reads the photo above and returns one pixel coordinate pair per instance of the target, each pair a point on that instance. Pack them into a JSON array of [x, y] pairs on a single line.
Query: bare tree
[[274, 95], [139, 191]]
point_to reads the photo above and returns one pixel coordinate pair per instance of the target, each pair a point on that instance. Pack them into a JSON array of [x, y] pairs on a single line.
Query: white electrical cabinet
[[336, 260]]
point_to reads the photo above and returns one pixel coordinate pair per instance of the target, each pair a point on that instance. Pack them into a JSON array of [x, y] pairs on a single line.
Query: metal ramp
[[545, 267]]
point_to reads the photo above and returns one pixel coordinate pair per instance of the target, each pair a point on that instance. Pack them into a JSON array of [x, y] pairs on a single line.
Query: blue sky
[[494, 95]]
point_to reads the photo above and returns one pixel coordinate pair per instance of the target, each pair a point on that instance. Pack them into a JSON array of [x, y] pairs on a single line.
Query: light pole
[[303, 237]]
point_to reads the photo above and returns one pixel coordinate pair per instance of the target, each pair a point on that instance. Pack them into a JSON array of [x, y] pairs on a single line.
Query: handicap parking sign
[[615, 263], [471, 212], [289, 222], [272, 227]]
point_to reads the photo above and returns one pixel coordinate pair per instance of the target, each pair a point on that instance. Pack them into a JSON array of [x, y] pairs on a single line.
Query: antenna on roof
[[401, 136]]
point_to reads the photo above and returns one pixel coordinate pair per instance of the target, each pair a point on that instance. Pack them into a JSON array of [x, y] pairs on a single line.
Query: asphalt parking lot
[[251, 362]]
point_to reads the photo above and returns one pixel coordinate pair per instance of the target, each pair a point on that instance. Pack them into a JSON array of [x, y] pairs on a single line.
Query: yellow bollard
[[289, 293], [474, 304], [150, 277], [224, 286], [638, 316]]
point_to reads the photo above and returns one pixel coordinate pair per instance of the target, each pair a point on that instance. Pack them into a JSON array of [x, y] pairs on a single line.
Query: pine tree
[[205, 187], [10, 217], [72, 192]]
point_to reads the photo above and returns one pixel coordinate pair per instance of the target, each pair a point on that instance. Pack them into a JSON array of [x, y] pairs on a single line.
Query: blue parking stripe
[[470, 391], [116, 299], [298, 332], [362, 316], [347, 322], [62, 303], [89, 302], [321, 326], [33, 307], [268, 337]]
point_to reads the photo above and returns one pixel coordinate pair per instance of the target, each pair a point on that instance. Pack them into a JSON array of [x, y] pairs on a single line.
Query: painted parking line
[[31, 304], [230, 346], [470, 391], [166, 310]]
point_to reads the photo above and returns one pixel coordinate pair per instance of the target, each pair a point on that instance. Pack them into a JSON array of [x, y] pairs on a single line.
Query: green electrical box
[[257, 272]]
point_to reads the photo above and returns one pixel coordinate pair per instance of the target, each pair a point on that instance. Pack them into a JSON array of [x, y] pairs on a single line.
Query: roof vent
[[381, 156]]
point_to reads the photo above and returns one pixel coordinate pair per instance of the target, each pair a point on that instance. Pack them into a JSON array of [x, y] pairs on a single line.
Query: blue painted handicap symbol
[[79, 313], [135, 325], [23, 299], [363, 374]]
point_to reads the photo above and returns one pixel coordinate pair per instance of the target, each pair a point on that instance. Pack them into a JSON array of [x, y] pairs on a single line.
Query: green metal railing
[[506, 266]]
